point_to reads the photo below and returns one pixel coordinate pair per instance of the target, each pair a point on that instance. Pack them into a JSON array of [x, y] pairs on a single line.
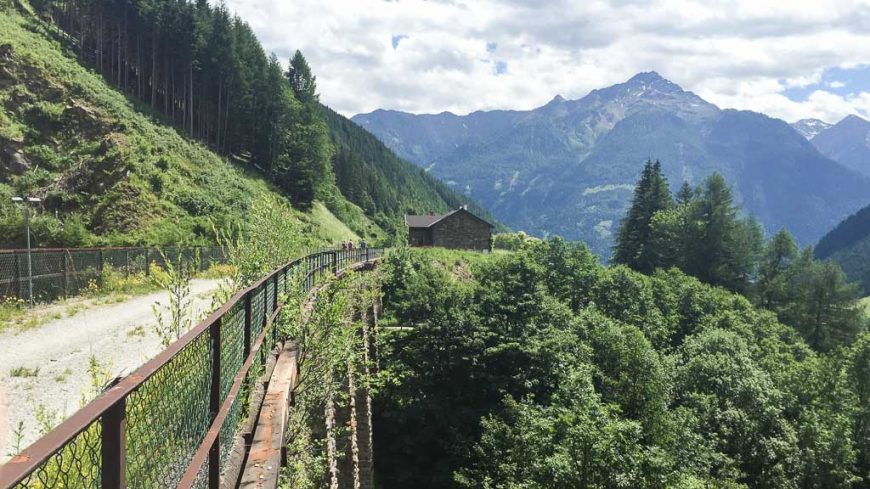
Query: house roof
[[429, 220], [422, 221]]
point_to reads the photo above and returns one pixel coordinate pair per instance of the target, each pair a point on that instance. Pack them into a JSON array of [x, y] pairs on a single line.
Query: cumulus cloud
[[464, 55]]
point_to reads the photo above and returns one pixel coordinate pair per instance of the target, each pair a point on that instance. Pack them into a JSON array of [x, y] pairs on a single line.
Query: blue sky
[[839, 81], [785, 58]]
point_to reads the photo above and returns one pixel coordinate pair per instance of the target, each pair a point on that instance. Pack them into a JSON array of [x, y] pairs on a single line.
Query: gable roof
[[430, 220], [422, 221]]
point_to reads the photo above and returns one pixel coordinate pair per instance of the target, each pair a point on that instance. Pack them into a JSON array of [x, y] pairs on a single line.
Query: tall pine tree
[[633, 242]]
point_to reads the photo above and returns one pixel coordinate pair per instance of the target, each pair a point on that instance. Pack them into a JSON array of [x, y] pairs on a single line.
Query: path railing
[[62, 272], [171, 422]]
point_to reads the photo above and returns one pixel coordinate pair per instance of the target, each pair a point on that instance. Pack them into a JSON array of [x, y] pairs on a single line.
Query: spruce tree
[[633, 243], [303, 82], [686, 194], [779, 253]]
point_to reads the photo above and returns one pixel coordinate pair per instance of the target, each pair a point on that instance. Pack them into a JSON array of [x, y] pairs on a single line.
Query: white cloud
[[465, 55]]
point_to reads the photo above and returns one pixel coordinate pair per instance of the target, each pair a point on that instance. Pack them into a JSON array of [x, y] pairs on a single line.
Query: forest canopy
[[543, 368]]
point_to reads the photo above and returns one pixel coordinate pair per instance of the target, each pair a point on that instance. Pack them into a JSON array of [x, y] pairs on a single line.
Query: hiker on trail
[[362, 244]]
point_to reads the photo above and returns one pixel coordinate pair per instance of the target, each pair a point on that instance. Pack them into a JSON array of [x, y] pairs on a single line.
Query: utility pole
[[27, 201]]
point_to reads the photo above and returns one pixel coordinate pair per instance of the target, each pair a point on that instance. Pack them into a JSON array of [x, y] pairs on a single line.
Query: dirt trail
[[121, 336]]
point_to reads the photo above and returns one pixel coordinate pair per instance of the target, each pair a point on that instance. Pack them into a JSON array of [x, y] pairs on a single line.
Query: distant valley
[[569, 167]]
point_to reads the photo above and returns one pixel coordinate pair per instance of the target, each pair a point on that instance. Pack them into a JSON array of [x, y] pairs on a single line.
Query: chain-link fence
[[171, 422], [64, 272]]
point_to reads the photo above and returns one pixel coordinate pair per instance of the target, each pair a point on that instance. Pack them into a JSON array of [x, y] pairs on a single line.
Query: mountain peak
[[853, 119], [651, 80], [646, 77], [810, 128]]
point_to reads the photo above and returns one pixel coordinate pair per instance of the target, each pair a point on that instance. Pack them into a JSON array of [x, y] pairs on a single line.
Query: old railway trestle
[[172, 422]]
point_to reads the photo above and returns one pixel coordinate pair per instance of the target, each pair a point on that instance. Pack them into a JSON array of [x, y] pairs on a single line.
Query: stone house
[[459, 229]]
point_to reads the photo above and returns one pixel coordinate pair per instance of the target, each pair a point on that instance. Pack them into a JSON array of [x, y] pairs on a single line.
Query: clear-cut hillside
[[569, 166]]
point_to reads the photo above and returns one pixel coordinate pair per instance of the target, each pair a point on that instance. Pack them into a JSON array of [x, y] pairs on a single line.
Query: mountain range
[[846, 142], [569, 167]]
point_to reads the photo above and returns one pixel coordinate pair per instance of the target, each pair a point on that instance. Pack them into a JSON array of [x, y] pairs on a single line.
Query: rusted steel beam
[[264, 459]]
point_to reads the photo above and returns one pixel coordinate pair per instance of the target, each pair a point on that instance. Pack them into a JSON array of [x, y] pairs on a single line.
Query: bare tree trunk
[[219, 107], [139, 63], [226, 119], [154, 72], [166, 74], [190, 99]]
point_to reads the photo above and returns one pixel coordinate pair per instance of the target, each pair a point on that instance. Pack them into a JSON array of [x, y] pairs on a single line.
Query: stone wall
[[419, 237], [462, 230]]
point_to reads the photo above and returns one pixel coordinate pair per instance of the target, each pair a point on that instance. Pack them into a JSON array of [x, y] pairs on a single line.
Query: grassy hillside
[[107, 170]]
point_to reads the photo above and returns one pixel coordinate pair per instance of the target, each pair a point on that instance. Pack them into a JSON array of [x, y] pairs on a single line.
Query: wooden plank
[[264, 459]]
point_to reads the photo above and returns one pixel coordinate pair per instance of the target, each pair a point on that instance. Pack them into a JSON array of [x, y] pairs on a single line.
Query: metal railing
[[65, 272], [171, 422]]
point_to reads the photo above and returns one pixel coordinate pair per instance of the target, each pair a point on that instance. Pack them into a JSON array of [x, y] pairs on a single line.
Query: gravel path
[[121, 336]]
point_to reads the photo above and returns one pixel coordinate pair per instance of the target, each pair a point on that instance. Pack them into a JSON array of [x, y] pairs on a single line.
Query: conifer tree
[[718, 244], [633, 243], [686, 194], [779, 253], [303, 82]]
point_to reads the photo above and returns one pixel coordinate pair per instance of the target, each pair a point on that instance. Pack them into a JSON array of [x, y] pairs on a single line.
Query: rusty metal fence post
[[214, 404], [17, 276], [114, 446], [247, 332], [65, 265]]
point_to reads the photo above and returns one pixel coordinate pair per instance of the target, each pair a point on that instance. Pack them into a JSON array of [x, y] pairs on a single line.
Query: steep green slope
[[849, 245], [108, 172], [371, 176]]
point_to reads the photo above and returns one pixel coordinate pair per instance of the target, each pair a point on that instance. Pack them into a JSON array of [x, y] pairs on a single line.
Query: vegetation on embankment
[[543, 368], [108, 171]]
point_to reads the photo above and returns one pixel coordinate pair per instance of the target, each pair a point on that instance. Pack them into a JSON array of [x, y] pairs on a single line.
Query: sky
[[790, 59]]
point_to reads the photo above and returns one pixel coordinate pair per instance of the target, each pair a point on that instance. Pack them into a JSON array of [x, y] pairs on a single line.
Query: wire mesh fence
[[63, 272], [171, 422]]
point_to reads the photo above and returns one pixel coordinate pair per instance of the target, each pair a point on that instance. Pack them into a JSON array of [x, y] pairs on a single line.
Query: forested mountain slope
[[386, 187], [107, 170], [849, 245], [568, 167], [112, 172]]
